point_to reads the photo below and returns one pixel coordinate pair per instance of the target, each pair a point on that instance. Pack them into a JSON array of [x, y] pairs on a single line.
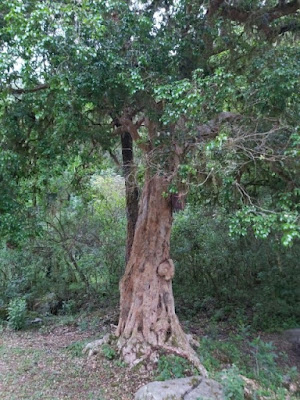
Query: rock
[[251, 387], [208, 389], [191, 388], [293, 335], [36, 321], [252, 390], [95, 346], [293, 387]]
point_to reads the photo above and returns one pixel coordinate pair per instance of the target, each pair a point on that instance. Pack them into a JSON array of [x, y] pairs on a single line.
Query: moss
[[174, 341], [194, 382], [138, 366], [140, 351]]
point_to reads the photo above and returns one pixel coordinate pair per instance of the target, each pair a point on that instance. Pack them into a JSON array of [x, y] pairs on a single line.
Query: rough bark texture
[[131, 189], [147, 320]]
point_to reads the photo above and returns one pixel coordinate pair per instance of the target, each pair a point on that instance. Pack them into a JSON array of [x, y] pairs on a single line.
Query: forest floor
[[46, 362]]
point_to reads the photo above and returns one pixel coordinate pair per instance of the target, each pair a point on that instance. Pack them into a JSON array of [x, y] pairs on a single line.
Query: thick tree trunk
[[132, 193], [147, 320]]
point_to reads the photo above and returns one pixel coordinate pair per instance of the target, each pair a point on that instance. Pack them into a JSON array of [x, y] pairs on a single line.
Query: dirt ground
[[47, 363], [49, 366]]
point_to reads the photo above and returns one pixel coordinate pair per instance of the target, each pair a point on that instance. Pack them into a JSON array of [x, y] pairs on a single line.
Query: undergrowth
[[171, 367], [227, 361]]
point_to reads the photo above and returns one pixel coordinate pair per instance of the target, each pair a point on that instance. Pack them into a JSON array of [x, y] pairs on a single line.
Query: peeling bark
[[147, 319]]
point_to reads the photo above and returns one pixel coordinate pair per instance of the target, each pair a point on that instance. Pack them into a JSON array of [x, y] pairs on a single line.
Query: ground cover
[[46, 361]]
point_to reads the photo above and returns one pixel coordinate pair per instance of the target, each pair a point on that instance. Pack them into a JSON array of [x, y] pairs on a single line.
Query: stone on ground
[[192, 388]]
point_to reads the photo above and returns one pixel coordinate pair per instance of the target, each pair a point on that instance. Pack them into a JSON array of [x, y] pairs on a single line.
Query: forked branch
[[127, 125]]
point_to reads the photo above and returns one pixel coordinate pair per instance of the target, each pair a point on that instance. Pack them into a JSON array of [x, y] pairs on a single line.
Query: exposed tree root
[[136, 350], [151, 323]]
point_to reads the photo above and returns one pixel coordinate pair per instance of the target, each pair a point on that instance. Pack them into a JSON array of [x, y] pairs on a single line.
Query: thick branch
[[132, 192], [151, 129], [214, 6], [211, 129], [131, 127], [263, 17], [240, 15], [32, 90], [283, 9]]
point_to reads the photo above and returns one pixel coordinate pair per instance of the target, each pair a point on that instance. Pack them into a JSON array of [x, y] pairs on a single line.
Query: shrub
[[17, 313], [78, 254], [233, 384], [255, 281]]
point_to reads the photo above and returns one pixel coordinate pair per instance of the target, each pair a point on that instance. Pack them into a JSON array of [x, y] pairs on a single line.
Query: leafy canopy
[[207, 89]]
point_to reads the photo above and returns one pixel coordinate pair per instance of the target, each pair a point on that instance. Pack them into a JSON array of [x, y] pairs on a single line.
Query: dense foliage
[[243, 279], [77, 253], [78, 257]]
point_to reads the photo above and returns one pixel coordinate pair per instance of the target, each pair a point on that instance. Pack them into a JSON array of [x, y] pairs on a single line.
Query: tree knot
[[166, 269]]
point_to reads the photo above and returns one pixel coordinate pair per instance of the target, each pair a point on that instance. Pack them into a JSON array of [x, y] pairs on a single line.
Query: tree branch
[[128, 126], [214, 6], [32, 90], [114, 158], [262, 17], [283, 9], [239, 15], [291, 27], [211, 129]]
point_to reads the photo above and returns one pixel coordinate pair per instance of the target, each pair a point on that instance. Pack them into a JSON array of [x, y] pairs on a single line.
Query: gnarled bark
[[147, 320]]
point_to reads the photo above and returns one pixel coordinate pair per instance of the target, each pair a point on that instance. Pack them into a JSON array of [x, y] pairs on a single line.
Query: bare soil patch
[[49, 366]]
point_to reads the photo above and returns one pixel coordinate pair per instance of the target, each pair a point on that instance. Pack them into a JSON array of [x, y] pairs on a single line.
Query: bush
[[17, 314], [78, 255], [233, 384], [230, 361], [253, 280]]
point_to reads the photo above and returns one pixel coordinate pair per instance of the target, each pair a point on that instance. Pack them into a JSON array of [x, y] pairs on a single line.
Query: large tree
[[180, 79]]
